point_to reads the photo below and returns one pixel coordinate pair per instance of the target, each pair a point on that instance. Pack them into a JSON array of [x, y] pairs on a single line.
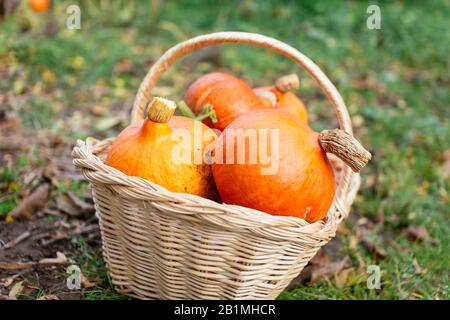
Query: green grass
[[401, 110], [7, 174], [7, 205], [7, 177], [93, 267], [102, 294], [10, 187]]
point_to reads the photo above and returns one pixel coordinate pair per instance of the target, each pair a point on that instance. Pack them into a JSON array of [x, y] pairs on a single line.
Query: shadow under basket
[[163, 245]]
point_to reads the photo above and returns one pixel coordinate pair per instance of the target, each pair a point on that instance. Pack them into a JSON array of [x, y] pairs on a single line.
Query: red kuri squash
[[282, 96], [162, 148], [292, 177], [229, 96]]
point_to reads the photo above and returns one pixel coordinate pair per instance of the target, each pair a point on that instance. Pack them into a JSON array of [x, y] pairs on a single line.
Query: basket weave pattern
[[163, 245]]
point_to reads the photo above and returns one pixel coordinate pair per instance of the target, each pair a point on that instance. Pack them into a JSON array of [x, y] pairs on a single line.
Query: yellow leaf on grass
[[48, 76], [78, 63], [14, 186]]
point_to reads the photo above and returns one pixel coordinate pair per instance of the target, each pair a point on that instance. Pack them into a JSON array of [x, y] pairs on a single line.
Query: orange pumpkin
[[281, 96], [39, 5], [229, 96], [297, 181], [163, 149]]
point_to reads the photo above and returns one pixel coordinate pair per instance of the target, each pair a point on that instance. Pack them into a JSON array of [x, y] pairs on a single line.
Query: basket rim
[[85, 157]]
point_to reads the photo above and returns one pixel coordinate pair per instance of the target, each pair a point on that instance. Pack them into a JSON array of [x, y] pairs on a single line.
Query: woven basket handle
[[143, 96]]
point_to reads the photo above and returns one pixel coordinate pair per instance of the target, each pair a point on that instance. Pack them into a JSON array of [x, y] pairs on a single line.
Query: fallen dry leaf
[[340, 278], [417, 268], [50, 172], [8, 281], [419, 233], [48, 76], [60, 259], [9, 120], [31, 204], [80, 203], [5, 297], [16, 290], [72, 205], [320, 267], [87, 282], [372, 246], [328, 270]]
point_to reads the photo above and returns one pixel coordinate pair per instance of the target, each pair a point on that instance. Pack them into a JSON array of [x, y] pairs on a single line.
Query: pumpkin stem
[[287, 83], [185, 110], [346, 147], [161, 110], [207, 112]]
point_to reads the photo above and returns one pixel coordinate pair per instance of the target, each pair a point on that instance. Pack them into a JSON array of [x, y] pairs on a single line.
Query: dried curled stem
[[287, 83], [346, 147], [161, 110]]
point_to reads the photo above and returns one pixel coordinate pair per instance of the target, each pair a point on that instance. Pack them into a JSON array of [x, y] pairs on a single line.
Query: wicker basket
[[163, 245]]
